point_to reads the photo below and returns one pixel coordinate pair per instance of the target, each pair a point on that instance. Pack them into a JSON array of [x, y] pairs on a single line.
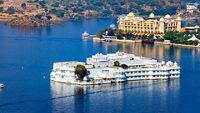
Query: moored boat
[[85, 35], [1, 85]]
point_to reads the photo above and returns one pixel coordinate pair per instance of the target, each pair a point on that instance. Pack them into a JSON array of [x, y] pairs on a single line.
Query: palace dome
[[152, 15], [167, 16], [161, 19], [131, 14], [178, 18]]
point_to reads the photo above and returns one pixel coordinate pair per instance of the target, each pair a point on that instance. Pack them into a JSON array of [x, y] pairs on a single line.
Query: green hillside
[[117, 7]]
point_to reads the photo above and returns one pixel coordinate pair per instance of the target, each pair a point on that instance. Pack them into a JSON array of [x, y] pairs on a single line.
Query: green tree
[[42, 3], [37, 6], [48, 17], [56, 4], [58, 13], [100, 33], [151, 36], [23, 5], [81, 71], [119, 34], [39, 16], [106, 13], [111, 32], [170, 36], [1, 9], [46, 9], [116, 64], [11, 10], [128, 35]]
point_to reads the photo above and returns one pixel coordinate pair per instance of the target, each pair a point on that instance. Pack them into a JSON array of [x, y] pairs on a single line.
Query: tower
[[178, 24], [161, 25]]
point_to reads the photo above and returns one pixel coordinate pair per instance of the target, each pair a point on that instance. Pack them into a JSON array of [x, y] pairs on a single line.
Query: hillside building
[[139, 26]]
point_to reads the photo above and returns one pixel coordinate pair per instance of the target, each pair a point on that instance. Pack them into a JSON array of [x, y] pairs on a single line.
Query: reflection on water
[[81, 98], [37, 48], [161, 52]]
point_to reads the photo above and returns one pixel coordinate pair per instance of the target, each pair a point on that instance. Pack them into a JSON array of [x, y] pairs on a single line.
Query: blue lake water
[[27, 55]]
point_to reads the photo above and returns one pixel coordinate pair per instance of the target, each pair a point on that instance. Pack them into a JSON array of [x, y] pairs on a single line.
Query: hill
[[117, 7], [56, 10]]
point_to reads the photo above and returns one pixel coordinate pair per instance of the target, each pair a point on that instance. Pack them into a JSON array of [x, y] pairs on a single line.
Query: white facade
[[101, 69]]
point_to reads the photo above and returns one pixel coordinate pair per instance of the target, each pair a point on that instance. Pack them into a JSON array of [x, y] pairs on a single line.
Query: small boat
[[112, 26], [85, 35], [1, 85]]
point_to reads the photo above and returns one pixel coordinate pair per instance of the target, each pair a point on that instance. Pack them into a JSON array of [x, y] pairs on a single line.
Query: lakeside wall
[[174, 44], [140, 41]]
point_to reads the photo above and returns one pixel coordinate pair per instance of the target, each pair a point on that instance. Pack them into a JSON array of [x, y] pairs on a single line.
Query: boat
[[85, 35], [101, 70], [112, 26], [1, 85]]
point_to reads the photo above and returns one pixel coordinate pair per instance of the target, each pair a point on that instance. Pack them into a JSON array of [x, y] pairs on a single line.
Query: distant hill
[[105, 8], [117, 7], [59, 10]]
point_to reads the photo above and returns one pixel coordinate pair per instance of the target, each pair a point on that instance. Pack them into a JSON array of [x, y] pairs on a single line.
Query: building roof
[[131, 14], [161, 19], [167, 16], [152, 15], [194, 39], [178, 18]]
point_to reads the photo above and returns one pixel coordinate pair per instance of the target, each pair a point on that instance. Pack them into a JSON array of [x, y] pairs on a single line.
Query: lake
[[27, 56]]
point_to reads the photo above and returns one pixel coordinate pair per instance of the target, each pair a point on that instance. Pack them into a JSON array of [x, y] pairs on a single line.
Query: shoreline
[[84, 83], [115, 40], [140, 41], [52, 22], [176, 45]]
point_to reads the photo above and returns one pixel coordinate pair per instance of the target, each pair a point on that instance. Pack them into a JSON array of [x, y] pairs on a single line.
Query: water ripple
[[67, 96]]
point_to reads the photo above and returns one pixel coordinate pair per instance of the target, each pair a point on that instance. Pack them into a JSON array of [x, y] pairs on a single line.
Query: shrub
[[23, 5], [11, 10], [48, 17], [39, 16], [116, 64], [81, 71], [58, 13], [56, 4]]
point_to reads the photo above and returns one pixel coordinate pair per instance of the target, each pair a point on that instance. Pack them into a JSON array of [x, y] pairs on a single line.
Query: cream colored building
[[139, 26]]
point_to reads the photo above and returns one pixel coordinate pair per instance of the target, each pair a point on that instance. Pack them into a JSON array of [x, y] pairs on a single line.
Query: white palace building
[[102, 71]]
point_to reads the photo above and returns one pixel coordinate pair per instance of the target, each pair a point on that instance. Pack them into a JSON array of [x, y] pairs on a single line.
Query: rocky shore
[[28, 21]]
